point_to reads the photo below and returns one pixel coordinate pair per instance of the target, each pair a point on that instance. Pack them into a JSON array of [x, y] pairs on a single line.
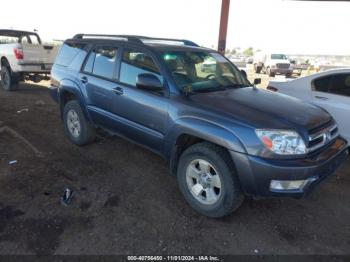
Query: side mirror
[[257, 81], [148, 82]]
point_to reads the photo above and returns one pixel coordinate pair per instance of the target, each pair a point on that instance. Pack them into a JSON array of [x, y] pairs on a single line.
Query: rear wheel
[[8, 82], [77, 128], [208, 180]]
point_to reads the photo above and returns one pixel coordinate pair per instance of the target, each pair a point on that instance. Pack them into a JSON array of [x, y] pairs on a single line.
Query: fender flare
[[70, 86], [202, 129]]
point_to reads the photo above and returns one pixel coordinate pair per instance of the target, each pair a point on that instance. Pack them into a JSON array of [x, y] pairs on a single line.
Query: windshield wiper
[[211, 89], [189, 90]]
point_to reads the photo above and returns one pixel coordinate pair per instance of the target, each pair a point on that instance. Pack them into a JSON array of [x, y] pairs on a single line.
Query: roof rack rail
[[184, 41], [136, 38], [119, 37]]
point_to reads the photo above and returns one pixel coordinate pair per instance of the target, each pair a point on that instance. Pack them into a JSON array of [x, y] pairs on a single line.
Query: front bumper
[[256, 173], [281, 71]]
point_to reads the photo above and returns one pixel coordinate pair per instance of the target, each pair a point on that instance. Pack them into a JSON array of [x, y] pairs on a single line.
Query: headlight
[[282, 142]]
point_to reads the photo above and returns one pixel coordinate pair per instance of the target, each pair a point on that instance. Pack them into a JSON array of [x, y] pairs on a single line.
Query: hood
[[263, 109]]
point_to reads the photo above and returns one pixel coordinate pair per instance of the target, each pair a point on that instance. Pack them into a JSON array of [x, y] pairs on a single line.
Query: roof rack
[[170, 40], [138, 39], [102, 36]]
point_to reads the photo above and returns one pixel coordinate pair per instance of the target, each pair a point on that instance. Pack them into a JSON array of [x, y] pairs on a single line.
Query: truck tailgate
[[39, 54]]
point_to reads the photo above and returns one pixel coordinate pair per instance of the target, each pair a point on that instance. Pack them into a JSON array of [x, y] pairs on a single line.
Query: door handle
[[321, 97], [118, 91], [84, 79]]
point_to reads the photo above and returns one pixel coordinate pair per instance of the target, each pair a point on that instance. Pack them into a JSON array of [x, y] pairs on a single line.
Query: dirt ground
[[126, 203]]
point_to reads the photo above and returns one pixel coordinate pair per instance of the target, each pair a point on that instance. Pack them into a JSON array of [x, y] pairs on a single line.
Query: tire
[[257, 69], [227, 196], [8, 82], [77, 128], [268, 72]]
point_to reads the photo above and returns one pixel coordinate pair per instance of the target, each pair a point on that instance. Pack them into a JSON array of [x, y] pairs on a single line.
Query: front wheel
[[8, 82], [208, 181], [269, 73], [78, 129]]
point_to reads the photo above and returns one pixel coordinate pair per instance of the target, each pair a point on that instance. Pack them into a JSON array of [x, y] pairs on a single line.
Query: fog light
[[281, 185]]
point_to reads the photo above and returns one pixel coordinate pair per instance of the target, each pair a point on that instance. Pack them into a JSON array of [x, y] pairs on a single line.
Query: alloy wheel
[[203, 181], [73, 123]]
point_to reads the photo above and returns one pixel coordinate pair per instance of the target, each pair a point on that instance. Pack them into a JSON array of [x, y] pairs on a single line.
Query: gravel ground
[[126, 203]]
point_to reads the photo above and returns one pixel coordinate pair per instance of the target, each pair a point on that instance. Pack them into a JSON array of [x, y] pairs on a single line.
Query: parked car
[[24, 57], [328, 89], [222, 137], [209, 65], [298, 67], [238, 61], [272, 64]]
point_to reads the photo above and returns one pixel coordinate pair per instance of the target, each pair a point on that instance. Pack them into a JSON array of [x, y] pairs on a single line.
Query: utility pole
[[225, 7]]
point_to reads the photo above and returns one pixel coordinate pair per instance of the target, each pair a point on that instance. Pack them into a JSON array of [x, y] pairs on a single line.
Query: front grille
[[322, 137], [282, 66]]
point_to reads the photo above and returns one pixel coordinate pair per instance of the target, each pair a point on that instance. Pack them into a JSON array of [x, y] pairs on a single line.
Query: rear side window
[[336, 84], [89, 65], [340, 85], [322, 84], [101, 62], [135, 63], [68, 52], [34, 39]]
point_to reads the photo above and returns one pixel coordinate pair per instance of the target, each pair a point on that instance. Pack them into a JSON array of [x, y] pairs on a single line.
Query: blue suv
[[223, 138]]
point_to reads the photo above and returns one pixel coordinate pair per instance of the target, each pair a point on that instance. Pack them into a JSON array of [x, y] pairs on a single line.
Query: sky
[[292, 27]]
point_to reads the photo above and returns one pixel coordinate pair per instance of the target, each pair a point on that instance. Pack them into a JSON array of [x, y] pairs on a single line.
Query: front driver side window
[[135, 63]]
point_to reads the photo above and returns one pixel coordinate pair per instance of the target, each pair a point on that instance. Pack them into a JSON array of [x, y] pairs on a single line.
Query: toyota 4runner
[[223, 138]]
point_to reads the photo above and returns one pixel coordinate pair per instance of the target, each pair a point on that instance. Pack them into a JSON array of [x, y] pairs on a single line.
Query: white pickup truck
[[272, 64], [24, 57]]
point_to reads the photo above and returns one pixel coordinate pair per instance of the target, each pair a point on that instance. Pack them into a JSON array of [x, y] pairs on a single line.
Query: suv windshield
[[279, 56], [200, 71]]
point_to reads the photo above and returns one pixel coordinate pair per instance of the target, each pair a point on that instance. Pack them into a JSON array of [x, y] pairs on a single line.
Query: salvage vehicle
[[328, 89], [272, 64], [223, 138], [24, 57]]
